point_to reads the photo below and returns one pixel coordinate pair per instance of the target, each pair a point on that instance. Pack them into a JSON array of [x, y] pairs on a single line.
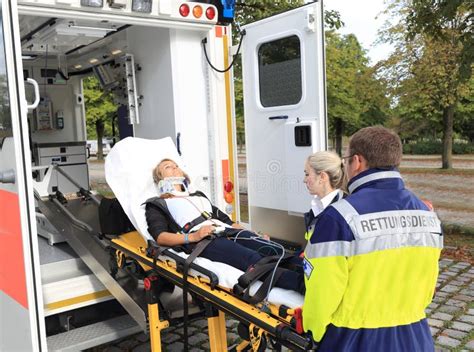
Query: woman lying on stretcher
[[180, 218]]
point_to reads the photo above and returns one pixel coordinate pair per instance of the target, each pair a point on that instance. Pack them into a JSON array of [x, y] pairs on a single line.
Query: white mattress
[[128, 171]]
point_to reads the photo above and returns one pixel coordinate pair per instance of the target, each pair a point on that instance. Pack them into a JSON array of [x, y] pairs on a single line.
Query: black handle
[[281, 117], [178, 143]]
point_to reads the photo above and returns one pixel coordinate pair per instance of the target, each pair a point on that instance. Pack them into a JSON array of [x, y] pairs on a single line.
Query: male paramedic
[[371, 263]]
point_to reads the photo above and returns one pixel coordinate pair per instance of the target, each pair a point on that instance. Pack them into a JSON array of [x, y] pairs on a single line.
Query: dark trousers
[[244, 252]]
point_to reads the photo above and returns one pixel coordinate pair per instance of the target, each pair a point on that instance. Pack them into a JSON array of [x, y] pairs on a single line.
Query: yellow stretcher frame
[[262, 324]]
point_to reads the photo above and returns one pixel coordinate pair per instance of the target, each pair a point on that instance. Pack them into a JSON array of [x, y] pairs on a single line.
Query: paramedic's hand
[[203, 232]]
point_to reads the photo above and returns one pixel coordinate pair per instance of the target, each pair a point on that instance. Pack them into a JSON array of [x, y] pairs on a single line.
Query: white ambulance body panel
[[285, 116]]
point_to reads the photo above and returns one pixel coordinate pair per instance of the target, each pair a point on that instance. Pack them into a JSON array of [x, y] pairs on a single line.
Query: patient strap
[[199, 220], [174, 226], [264, 267], [198, 249]]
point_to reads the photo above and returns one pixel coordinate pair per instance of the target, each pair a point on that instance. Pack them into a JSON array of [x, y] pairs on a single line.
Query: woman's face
[[317, 183], [312, 180], [169, 168]]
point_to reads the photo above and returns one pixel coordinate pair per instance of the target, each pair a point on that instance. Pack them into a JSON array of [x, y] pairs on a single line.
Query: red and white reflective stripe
[[12, 263]]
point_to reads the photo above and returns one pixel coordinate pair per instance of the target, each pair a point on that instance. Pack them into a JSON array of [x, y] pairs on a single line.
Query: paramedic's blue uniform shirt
[[371, 266]]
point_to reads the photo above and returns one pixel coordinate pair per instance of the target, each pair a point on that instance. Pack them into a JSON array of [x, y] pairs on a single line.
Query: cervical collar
[[167, 185]]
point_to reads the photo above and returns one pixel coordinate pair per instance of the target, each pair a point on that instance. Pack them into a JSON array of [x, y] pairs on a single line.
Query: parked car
[[93, 147]]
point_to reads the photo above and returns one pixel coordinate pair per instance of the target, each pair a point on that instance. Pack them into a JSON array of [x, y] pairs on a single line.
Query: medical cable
[[235, 238], [197, 208], [204, 41], [259, 240]]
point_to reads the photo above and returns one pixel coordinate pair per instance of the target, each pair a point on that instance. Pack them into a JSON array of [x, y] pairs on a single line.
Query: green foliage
[[100, 107], [355, 96], [426, 72], [431, 147], [434, 17]]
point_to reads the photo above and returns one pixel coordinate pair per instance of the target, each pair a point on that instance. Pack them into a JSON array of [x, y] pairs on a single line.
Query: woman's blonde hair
[[157, 177], [331, 164]]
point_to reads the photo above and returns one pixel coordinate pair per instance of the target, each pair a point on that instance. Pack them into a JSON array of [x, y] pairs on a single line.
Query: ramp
[[77, 220]]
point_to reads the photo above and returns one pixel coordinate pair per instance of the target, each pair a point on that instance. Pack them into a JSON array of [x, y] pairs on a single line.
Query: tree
[[355, 96], [100, 110], [432, 51], [434, 17]]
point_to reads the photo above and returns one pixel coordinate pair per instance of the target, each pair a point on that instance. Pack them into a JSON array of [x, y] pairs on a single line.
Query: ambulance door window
[[279, 66], [5, 115]]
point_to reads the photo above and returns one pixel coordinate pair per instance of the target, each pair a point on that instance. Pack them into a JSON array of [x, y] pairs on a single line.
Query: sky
[[359, 18]]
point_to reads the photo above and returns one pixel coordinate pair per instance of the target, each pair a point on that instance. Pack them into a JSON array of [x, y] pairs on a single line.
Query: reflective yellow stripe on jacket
[[386, 288]]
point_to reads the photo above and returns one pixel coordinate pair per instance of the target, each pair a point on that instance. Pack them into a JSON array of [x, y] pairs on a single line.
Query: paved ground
[[450, 316]]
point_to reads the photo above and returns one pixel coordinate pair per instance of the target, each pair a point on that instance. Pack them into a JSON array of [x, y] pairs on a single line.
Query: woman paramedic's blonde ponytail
[[331, 164]]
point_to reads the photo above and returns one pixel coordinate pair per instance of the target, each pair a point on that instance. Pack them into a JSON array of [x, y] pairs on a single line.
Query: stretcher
[[140, 275], [265, 323]]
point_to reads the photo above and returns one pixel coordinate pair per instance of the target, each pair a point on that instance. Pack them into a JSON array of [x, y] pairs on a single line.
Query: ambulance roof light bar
[[225, 10], [135, 12]]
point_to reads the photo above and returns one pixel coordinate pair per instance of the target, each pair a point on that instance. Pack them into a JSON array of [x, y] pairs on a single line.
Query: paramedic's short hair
[[330, 163], [378, 145], [157, 177]]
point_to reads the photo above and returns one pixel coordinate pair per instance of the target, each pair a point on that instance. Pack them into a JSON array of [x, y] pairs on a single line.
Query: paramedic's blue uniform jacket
[[371, 266]]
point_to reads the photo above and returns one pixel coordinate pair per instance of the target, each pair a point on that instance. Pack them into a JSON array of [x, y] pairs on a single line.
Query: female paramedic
[[323, 176], [178, 218]]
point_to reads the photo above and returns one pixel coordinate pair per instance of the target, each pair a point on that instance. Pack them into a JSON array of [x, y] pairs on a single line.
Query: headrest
[[128, 171]]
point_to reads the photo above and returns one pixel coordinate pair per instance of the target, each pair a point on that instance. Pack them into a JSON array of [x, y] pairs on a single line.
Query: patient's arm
[[170, 239], [236, 225]]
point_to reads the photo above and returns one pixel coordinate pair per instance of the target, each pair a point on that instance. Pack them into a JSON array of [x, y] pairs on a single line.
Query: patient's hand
[[203, 232]]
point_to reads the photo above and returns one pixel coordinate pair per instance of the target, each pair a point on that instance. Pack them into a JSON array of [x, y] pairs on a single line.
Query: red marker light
[[147, 284], [210, 13], [184, 10], [228, 186]]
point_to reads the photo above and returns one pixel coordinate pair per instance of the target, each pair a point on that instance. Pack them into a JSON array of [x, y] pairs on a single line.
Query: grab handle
[[37, 94], [281, 117]]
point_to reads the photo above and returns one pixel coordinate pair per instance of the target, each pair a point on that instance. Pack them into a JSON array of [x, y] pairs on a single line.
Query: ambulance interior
[[134, 62], [148, 71]]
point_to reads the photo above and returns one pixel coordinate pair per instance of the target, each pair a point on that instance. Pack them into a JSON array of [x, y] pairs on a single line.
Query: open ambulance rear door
[[21, 316], [285, 115]]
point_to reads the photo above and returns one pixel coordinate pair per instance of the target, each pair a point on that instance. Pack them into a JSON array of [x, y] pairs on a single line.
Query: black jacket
[[159, 218]]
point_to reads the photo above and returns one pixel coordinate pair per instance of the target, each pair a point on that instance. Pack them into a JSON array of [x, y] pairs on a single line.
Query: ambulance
[[169, 66]]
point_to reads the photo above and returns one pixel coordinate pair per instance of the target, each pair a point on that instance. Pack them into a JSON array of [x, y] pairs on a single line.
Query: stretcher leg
[[217, 331], [243, 346], [155, 323], [155, 327]]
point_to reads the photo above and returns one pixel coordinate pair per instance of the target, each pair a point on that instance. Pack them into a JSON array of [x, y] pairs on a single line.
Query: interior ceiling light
[[92, 3], [28, 57], [116, 52], [92, 28], [77, 67], [93, 61], [141, 6]]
